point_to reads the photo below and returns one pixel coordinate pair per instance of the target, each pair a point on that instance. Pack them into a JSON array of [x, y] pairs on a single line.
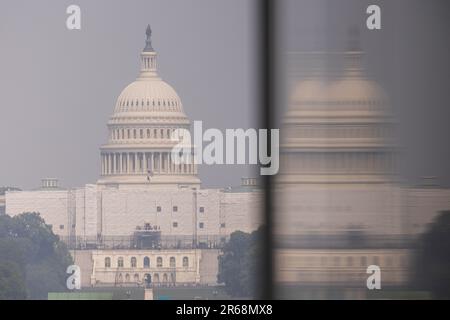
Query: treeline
[[33, 261]]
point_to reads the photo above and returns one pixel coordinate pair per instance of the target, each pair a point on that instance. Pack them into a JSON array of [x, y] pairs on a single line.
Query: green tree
[[32, 257], [433, 258], [239, 264]]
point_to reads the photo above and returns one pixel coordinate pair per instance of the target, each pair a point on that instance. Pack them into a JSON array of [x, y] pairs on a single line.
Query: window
[[389, 261], [175, 209], [156, 277], [349, 261], [201, 209], [376, 260], [337, 261], [107, 262], [175, 224], [201, 225], [133, 262], [146, 262], [127, 278], [185, 262], [159, 262], [363, 261], [158, 209], [222, 225], [136, 277], [61, 226], [120, 262], [172, 262]]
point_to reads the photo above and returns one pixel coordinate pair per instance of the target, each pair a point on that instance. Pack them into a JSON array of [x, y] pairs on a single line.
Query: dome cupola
[[146, 114]]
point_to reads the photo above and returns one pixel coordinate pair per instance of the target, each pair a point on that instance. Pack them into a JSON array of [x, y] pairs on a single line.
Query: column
[[108, 163], [167, 163], [152, 166], [144, 159], [114, 163], [135, 162], [160, 158], [121, 163], [128, 162]]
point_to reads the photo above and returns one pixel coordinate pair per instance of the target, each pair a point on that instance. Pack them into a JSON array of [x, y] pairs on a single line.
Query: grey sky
[[59, 87]]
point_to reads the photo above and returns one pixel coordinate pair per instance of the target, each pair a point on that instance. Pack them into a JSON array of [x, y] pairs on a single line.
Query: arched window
[[159, 262], [127, 278], [146, 262], [134, 133], [172, 262], [172, 277], [120, 262], [133, 262], [165, 278], [119, 278], [136, 277], [363, 261], [107, 262], [156, 277], [185, 262]]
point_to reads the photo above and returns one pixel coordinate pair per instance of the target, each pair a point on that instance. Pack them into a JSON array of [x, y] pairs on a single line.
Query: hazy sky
[[59, 87]]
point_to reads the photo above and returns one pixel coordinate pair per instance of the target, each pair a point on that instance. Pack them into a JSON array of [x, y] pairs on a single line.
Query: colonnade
[[126, 163]]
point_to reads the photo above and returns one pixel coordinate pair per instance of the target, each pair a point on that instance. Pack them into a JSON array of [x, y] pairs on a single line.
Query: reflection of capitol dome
[[337, 128], [139, 147]]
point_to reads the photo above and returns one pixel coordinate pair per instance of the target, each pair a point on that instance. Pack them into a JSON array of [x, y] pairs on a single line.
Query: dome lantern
[[141, 133]]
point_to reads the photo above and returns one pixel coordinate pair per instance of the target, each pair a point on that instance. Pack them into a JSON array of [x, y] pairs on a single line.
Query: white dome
[[143, 132], [148, 95], [357, 90], [309, 90]]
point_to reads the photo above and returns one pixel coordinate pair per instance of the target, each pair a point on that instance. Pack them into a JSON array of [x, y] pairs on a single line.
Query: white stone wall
[[167, 274], [242, 211], [330, 209], [52, 206], [341, 266], [422, 206], [210, 214], [124, 210], [86, 211]]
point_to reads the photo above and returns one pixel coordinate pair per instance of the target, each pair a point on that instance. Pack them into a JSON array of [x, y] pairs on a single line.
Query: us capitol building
[[145, 216], [340, 206]]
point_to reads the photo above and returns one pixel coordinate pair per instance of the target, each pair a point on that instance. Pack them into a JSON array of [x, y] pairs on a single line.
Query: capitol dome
[[338, 128], [141, 132]]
